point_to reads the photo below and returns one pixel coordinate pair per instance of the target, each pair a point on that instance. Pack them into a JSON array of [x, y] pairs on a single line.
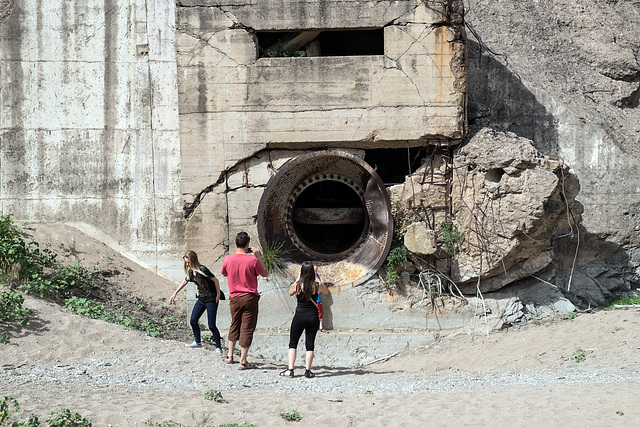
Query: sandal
[[287, 373], [308, 374], [247, 365], [228, 360]]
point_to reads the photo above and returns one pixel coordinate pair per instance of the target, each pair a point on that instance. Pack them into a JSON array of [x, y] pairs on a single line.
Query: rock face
[[567, 78], [509, 201]]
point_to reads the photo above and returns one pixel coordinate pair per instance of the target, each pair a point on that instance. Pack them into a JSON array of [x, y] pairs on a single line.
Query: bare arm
[[292, 290], [217, 283], [322, 289], [258, 254], [175, 294]]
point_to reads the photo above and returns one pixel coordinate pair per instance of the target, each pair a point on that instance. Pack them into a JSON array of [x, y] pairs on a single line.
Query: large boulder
[[508, 202]]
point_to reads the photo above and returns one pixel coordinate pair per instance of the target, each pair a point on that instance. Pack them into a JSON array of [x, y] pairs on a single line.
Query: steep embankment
[[566, 74]]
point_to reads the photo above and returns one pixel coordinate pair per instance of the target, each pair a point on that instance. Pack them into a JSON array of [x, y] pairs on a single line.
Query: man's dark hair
[[242, 239]]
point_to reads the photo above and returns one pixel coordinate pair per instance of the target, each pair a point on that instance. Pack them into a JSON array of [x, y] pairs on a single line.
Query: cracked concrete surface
[[234, 104]]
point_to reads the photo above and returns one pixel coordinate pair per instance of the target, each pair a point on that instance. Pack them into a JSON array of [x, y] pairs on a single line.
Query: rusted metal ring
[[290, 206]]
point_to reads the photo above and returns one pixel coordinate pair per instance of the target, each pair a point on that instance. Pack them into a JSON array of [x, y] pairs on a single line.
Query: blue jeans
[[212, 311]]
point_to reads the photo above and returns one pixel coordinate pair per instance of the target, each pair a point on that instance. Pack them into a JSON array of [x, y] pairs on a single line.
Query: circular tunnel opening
[[330, 207], [328, 216]]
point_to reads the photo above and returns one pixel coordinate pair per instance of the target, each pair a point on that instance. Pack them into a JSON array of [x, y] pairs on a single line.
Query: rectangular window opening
[[309, 43], [394, 164]]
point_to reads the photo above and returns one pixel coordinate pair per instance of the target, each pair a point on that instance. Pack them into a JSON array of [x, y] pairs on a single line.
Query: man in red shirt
[[242, 270]]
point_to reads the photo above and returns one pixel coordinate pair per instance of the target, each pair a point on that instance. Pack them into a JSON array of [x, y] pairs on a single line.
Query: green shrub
[[279, 50], [63, 418], [396, 260], [14, 252], [11, 309], [5, 405], [579, 356], [85, 307], [63, 282], [33, 422], [291, 416], [43, 275], [623, 300], [214, 395]]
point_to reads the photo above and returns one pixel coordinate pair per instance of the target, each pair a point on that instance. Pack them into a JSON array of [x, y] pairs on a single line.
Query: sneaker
[[219, 350], [194, 345]]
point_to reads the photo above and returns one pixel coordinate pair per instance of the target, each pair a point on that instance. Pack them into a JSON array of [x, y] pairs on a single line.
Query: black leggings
[[309, 323]]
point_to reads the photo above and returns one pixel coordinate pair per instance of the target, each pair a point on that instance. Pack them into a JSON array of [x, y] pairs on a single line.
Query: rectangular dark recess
[[394, 164], [360, 42]]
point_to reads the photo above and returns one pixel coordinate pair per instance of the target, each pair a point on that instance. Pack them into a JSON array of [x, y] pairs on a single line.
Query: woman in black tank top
[[306, 289]]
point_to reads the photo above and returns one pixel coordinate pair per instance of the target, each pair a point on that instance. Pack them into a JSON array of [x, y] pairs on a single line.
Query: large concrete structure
[[159, 127], [263, 88], [89, 121], [392, 77]]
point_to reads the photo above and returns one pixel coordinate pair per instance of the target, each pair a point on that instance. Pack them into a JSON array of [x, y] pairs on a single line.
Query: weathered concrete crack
[[202, 42], [399, 66], [189, 208]]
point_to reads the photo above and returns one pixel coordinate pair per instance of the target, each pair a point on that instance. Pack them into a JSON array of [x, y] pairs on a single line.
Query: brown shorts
[[244, 318]]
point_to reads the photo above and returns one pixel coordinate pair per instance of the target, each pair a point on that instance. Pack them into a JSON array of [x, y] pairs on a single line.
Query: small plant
[[624, 300], [570, 316], [291, 416], [85, 307], [152, 329], [368, 392], [72, 247], [451, 238], [33, 422], [617, 329], [214, 395], [11, 309], [273, 257], [5, 405], [396, 260], [579, 356], [62, 283], [14, 252], [63, 418]]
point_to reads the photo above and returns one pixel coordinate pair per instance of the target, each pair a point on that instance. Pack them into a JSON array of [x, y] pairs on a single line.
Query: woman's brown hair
[[308, 278], [193, 260]]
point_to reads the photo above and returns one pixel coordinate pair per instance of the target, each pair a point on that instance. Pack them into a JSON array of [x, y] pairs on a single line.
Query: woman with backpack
[[306, 289], [209, 296]]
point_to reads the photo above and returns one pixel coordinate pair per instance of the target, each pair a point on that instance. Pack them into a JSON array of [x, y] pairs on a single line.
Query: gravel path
[[201, 369]]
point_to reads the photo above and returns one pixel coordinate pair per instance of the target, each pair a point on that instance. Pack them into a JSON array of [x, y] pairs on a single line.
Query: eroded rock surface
[[508, 202]]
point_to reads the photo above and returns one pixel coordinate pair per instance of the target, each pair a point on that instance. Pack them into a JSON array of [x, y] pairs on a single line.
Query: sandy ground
[[527, 376]]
